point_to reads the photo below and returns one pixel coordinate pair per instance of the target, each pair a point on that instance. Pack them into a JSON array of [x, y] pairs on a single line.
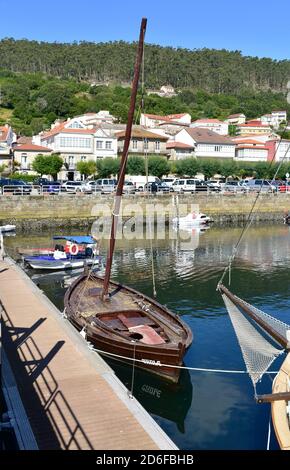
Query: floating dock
[[60, 394]]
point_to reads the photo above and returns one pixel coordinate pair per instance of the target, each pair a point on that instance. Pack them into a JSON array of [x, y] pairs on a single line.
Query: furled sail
[[258, 352]]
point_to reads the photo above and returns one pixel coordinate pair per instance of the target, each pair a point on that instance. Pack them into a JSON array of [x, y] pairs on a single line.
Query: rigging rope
[[250, 217], [257, 351]]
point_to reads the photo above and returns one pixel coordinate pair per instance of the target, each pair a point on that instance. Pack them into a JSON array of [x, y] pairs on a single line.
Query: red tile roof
[[254, 124], [61, 128], [248, 141], [261, 147], [179, 145], [31, 148]]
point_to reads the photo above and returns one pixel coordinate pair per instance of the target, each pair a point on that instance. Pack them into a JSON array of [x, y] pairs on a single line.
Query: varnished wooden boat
[[117, 319], [130, 324], [280, 416]]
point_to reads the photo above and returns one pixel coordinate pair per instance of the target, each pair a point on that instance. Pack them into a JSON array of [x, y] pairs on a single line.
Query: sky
[[254, 27]]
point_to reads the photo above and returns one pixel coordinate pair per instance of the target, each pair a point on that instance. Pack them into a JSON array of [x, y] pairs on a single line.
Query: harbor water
[[205, 410]]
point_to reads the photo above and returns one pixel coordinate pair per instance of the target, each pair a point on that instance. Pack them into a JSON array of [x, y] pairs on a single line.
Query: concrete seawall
[[53, 211]]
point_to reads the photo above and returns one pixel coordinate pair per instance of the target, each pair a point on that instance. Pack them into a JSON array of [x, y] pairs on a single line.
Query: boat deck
[[279, 412], [71, 397]]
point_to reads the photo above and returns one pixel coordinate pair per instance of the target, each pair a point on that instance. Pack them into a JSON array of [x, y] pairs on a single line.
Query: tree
[[158, 166], [48, 164], [187, 167], [2, 169], [136, 166], [108, 167], [87, 168]]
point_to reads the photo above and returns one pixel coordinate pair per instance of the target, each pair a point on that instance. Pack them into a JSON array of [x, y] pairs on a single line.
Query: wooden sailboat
[[117, 319]]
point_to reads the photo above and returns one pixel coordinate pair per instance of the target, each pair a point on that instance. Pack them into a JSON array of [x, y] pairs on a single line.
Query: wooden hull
[[126, 301], [279, 407]]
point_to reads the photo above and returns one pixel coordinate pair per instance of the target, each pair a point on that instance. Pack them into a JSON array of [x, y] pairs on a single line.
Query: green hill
[[42, 81]]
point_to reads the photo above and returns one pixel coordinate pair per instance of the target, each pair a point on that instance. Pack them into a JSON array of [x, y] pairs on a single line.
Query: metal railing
[[30, 189]]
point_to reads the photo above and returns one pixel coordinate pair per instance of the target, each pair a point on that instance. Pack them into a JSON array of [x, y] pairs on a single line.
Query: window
[[108, 144], [217, 148], [23, 160], [74, 142], [157, 145], [75, 125], [83, 158], [145, 144], [135, 144], [71, 161], [99, 144]]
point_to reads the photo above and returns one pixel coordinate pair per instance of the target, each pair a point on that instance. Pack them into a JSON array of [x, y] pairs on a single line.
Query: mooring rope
[[159, 364]]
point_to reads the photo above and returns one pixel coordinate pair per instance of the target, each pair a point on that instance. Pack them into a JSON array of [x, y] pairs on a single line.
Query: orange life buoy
[[73, 249]]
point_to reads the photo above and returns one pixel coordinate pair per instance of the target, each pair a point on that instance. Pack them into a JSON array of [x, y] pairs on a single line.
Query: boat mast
[[124, 158]]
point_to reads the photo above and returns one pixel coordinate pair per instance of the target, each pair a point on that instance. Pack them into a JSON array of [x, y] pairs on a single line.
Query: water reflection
[[160, 398], [205, 411]]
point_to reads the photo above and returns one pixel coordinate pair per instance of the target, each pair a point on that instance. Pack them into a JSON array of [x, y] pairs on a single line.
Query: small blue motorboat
[[77, 252]]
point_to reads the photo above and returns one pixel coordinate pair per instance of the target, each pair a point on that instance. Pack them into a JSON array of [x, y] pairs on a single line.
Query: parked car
[[105, 185], [15, 187], [189, 185], [168, 181], [213, 185], [74, 187], [260, 185], [164, 187], [234, 187], [129, 187], [281, 186]]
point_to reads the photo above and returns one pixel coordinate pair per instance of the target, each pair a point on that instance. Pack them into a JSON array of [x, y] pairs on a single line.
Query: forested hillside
[[40, 82], [216, 71]]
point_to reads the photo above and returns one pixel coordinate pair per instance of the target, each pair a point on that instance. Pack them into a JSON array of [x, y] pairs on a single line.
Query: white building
[[207, 144], [274, 119], [7, 138], [253, 127], [179, 150], [214, 125], [97, 118], [153, 121], [166, 91], [235, 119], [251, 150], [76, 142], [24, 155], [279, 150]]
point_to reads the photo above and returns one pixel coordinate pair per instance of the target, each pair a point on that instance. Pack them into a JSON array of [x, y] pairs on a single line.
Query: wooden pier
[[65, 396]]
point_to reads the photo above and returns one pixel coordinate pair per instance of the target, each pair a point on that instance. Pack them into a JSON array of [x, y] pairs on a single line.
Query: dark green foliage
[[212, 167], [108, 167], [215, 71], [47, 164], [158, 166], [87, 168], [136, 166], [52, 81]]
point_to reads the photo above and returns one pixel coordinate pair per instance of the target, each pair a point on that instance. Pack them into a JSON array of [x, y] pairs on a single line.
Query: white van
[[184, 185], [140, 181], [169, 181]]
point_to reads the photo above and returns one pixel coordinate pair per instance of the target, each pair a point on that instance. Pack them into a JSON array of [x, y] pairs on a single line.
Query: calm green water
[[205, 410]]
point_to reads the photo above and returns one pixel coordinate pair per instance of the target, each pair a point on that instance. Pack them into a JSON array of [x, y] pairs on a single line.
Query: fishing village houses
[[95, 136]]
